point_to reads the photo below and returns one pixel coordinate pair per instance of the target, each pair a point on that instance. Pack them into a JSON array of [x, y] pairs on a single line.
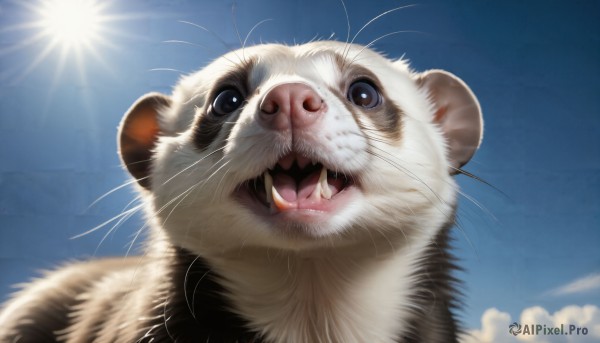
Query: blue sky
[[533, 239]]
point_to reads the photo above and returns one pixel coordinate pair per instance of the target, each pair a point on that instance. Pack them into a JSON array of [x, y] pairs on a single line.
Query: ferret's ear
[[458, 114], [138, 134]]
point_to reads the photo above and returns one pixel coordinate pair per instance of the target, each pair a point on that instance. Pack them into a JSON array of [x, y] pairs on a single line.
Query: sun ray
[[38, 60]]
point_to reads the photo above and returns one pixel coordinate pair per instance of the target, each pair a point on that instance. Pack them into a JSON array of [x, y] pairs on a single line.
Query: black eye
[[227, 101], [363, 94]]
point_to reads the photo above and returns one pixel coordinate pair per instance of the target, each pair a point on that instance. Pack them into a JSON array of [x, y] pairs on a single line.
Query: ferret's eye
[[363, 94], [227, 101]]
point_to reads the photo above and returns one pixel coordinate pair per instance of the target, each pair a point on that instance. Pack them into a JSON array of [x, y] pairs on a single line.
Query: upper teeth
[[269, 186], [323, 185], [322, 190]]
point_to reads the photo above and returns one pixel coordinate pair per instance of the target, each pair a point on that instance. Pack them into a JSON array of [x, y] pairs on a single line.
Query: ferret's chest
[[329, 299]]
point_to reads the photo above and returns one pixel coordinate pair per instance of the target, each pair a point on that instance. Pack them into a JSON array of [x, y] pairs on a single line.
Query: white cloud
[[495, 325], [584, 284], [494, 328]]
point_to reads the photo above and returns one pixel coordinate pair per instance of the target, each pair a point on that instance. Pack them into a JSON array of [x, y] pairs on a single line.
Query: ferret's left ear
[[458, 114], [139, 133]]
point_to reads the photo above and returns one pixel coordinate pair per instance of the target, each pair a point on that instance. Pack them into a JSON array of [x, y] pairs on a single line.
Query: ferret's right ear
[[138, 134], [458, 114]]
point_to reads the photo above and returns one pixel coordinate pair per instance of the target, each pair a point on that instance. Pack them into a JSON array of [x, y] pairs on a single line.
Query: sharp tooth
[[269, 187], [325, 190], [280, 204]]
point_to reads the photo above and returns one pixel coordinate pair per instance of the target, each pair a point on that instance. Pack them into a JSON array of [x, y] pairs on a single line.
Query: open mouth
[[296, 182]]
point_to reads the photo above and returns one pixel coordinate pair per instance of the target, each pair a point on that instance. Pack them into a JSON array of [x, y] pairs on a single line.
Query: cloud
[[494, 328], [584, 284], [495, 325]]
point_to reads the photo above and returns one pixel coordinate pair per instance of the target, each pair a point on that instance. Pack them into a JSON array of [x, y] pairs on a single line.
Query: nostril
[[312, 104], [269, 107]]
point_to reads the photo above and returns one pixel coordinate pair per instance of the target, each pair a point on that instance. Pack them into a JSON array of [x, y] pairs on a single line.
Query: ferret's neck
[[336, 297]]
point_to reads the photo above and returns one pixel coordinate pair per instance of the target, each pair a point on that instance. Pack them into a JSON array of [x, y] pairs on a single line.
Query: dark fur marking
[[206, 130], [208, 126], [437, 297], [211, 321], [386, 117]]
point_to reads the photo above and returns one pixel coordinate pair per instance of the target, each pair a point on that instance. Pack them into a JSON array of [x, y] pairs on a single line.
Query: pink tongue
[[308, 185], [286, 186]]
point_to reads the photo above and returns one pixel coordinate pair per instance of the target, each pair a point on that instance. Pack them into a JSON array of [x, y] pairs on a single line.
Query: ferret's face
[[303, 147]]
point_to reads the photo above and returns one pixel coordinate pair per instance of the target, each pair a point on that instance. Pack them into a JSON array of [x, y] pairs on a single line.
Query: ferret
[[294, 194]]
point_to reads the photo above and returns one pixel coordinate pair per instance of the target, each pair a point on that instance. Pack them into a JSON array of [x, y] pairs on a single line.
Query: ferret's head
[[314, 146]]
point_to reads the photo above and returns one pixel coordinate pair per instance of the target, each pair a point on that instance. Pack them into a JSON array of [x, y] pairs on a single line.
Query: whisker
[[215, 172], [377, 18], [413, 176], [175, 41], [378, 39], [118, 216], [185, 288], [168, 69], [137, 234], [478, 204], [186, 193], [347, 20], [196, 289], [254, 28], [111, 192], [477, 178], [191, 165], [237, 31], [391, 160], [461, 229], [155, 215], [381, 231], [349, 45], [401, 168], [214, 34], [183, 194], [221, 181], [113, 228]]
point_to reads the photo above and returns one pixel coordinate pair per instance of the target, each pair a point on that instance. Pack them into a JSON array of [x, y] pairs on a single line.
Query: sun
[[73, 30], [71, 23]]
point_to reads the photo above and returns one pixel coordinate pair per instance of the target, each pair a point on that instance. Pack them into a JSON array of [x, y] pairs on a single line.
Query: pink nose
[[290, 106]]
